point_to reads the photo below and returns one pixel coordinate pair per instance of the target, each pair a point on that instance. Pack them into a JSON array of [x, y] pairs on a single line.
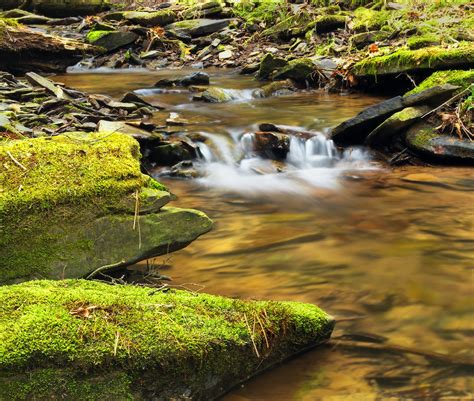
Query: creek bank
[[81, 203], [152, 344], [433, 122]]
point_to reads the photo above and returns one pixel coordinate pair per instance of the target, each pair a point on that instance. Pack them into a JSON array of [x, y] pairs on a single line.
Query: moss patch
[[179, 338], [405, 60], [460, 78]]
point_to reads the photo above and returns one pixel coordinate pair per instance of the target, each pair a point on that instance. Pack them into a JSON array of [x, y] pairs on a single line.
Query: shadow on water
[[388, 254]]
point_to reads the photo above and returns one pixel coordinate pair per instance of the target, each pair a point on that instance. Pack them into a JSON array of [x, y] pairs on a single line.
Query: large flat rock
[[79, 340], [199, 27]]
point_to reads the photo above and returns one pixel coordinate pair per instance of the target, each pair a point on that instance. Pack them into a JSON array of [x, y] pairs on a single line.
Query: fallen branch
[[103, 268]]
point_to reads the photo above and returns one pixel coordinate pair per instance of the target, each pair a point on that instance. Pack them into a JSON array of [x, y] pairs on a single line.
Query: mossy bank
[[90, 340]]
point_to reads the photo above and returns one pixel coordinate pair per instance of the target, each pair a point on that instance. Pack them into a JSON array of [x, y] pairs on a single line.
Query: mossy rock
[[299, 70], [328, 23], [366, 19], [461, 78], [269, 64], [418, 42], [83, 340], [432, 145], [143, 18], [198, 27], [69, 204], [213, 95], [111, 40], [57, 8], [404, 60]]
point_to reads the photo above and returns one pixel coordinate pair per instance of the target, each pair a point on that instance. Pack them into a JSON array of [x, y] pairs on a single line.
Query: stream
[[388, 252]]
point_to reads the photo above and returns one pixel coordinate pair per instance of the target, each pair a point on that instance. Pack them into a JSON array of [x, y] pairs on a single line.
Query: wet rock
[[275, 89], [356, 129], [299, 70], [123, 128], [25, 17], [170, 153], [269, 145], [197, 78], [213, 95], [111, 40], [249, 69], [131, 97], [269, 127], [143, 18], [198, 27], [383, 134], [433, 96], [428, 143], [269, 65]]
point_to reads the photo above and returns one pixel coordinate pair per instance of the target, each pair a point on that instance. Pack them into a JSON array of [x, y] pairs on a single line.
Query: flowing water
[[388, 252]]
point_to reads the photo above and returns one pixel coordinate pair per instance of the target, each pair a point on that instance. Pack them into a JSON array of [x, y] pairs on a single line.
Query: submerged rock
[[84, 204], [213, 95], [430, 144], [129, 342], [270, 145], [170, 153]]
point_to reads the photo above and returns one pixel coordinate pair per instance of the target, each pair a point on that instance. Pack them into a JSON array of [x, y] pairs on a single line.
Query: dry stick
[[105, 267], [263, 330], [251, 336], [400, 349], [117, 336], [16, 161]]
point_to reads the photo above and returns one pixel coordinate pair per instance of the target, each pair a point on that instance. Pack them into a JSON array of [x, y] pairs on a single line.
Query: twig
[[16, 161], [117, 336], [460, 94], [105, 267]]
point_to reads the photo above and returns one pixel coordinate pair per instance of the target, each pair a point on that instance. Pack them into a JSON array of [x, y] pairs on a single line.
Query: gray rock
[[143, 18], [355, 130], [213, 95], [383, 134], [426, 141], [433, 96], [197, 78], [170, 153], [199, 27], [37, 80]]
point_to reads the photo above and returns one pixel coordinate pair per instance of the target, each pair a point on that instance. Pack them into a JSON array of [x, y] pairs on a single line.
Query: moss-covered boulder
[[198, 27], [74, 203], [213, 95], [143, 18], [269, 64], [84, 340], [111, 40], [432, 145], [425, 59]]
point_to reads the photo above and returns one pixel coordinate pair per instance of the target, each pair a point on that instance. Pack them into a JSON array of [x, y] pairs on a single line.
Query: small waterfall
[[317, 151], [220, 149]]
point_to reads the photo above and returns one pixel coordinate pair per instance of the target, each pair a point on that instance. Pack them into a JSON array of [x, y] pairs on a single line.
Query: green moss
[[408, 60], [94, 35], [175, 337], [366, 19], [460, 78], [298, 70], [69, 168], [418, 42], [269, 64]]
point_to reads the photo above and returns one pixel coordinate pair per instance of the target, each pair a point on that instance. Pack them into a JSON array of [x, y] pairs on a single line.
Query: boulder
[[421, 60], [423, 139], [83, 205], [383, 134], [57, 8], [459, 78], [355, 130], [81, 339], [143, 18], [198, 27], [204, 10], [111, 40], [269, 145], [275, 89], [23, 49]]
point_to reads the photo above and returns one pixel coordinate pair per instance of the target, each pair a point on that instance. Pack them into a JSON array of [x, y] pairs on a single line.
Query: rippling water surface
[[388, 252]]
